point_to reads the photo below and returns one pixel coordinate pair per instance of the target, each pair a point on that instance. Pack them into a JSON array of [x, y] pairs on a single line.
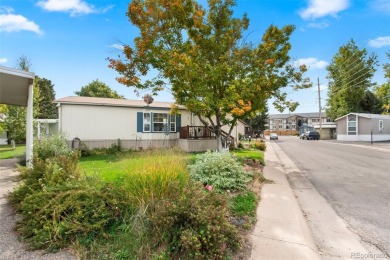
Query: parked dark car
[[312, 135]]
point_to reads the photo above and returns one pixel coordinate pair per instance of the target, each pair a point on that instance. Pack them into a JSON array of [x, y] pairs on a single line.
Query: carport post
[[29, 127]]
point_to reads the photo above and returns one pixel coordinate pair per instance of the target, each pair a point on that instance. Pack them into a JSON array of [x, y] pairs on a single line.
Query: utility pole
[[319, 106]]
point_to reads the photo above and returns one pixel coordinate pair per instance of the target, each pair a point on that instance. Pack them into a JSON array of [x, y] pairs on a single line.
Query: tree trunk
[[218, 136]]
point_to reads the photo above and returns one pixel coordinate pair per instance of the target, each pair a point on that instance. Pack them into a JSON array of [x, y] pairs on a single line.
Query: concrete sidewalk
[[281, 231]]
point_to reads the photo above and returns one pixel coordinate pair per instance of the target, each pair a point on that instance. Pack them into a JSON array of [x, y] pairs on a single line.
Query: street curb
[[281, 231]]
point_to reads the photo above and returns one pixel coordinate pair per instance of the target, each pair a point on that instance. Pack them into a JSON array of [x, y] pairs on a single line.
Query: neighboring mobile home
[[100, 122], [363, 127]]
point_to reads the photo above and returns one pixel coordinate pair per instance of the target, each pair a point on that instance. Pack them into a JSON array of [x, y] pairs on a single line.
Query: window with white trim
[[146, 122], [159, 119], [173, 123], [381, 126], [352, 125]]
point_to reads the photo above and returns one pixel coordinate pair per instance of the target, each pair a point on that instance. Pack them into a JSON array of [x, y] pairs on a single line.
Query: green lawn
[[116, 167], [250, 154], [7, 152]]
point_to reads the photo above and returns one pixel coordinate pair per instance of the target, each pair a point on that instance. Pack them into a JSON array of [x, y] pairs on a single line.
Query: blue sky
[[68, 41]]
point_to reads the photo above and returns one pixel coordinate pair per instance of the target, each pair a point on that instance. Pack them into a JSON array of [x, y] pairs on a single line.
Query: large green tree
[[383, 91], [258, 122], [202, 56], [15, 122], [43, 100], [97, 88], [350, 73]]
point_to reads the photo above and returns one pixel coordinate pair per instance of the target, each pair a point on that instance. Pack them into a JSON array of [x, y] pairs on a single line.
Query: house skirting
[[197, 145], [366, 138], [125, 143]]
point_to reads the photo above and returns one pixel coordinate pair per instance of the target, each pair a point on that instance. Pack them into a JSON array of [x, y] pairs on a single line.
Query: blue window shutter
[[178, 123], [140, 121]]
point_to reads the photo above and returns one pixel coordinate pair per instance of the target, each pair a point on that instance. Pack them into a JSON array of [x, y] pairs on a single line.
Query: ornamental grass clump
[[220, 170]]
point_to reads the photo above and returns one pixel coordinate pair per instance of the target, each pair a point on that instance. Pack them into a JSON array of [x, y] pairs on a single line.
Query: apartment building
[[292, 121]]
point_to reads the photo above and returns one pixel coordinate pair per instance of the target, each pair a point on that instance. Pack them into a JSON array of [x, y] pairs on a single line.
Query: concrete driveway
[[354, 178], [10, 247]]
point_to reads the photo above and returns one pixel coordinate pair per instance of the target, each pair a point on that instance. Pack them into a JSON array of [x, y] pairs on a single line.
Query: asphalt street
[[354, 178]]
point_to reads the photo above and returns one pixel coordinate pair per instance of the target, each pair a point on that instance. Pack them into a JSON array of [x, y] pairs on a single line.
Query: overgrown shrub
[[260, 145], [50, 146], [44, 173], [220, 170], [194, 225], [54, 216]]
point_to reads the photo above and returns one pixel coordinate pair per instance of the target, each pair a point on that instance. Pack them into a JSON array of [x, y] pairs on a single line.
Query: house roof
[[366, 115], [308, 115], [95, 101]]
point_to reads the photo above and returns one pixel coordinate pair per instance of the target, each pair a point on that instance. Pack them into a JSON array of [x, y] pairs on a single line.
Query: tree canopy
[[383, 91], [258, 123], [350, 73], [202, 56], [97, 88], [43, 101]]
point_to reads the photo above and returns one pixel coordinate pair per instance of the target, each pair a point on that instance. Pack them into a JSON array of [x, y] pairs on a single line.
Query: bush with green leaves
[[220, 170], [50, 146], [57, 215], [194, 225], [260, 145]]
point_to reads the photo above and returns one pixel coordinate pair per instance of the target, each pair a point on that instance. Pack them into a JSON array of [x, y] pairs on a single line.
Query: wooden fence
[[282, 132]]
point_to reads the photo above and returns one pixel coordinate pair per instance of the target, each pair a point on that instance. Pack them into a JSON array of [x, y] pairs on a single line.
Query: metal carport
[[16, 88]]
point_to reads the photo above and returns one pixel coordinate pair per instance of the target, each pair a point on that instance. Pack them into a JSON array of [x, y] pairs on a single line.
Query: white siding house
[[363, 127], [100, 122]]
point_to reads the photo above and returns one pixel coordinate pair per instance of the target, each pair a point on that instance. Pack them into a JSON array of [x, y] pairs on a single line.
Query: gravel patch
[[10, 247]]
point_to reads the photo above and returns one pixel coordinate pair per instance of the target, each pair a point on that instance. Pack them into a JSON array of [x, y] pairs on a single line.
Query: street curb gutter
[[281, 231], [331, 234]]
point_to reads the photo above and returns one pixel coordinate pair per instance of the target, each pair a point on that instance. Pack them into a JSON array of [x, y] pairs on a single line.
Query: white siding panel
[[98, 122], [366, 138]]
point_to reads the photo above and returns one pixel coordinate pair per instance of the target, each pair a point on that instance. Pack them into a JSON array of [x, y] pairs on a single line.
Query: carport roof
[[14, 86]]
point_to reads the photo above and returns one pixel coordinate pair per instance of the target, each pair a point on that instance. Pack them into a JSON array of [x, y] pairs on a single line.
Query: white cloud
[[322, 8], [74, 7], [312, 63], [379, 42], [3, 60], [320, 25], [380, 5], [15, 23], [117, 46]]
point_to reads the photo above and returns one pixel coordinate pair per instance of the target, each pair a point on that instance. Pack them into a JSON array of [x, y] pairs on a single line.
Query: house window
[[173, 123], [159, 119], [328, 120], [381, 127], [352, 125], [293, 127], [146, 121]]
